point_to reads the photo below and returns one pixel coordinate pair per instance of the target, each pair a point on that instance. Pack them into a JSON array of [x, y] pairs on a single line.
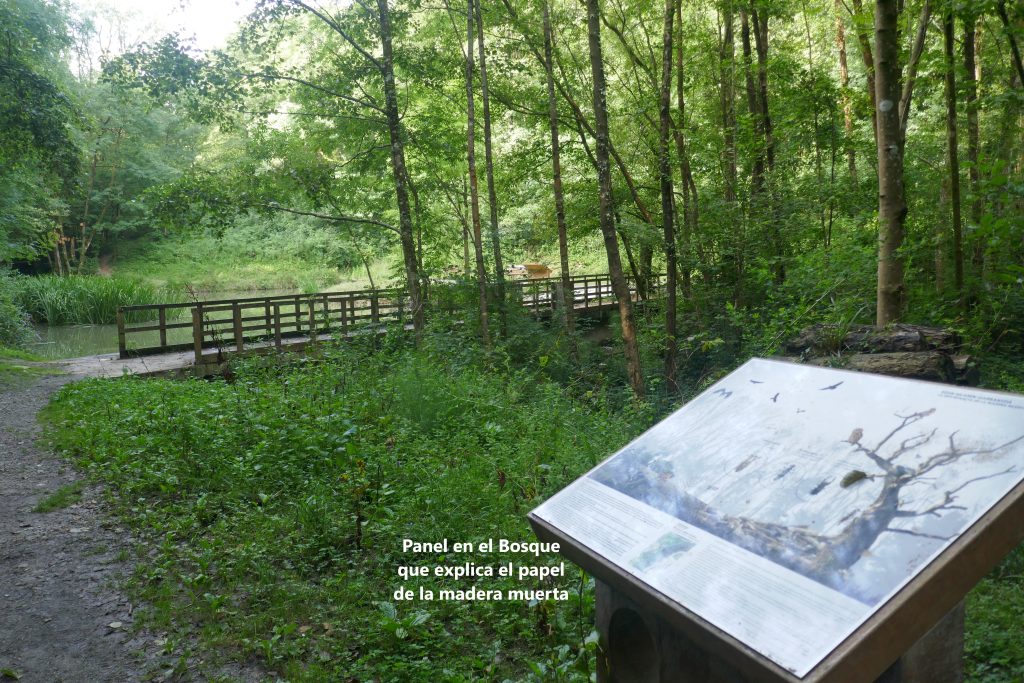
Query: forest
[[740, 169]]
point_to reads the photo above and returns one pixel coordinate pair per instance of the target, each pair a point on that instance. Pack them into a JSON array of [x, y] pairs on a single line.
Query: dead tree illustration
[[822, 558]]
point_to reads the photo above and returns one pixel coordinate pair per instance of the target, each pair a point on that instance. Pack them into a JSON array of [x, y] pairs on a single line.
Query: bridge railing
[[238, 322], [589, 291], [270, 319]]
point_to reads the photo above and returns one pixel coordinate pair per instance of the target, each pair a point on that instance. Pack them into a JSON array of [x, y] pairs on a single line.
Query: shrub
[[14, 321]]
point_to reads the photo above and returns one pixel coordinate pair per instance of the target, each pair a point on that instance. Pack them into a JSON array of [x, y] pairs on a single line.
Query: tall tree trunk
[[844, 82], [474, 191], [764, 153], [971, 64], [892, 205], [667, 203], [819, 173], [953, 154], [864, 40], [56, 256], [646, 270], [405, 227], [940, 239], [604, 176], [568, 295], [691, 200], [581, 119], [907, 93], [760, 26], [727, 91], [754, 107], [492, 195], [466, 230], [417, 212], [634, 268], [1014, 48]]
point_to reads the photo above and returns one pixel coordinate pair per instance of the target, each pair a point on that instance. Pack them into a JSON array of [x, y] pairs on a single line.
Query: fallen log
[[822, 338], [935, 366]]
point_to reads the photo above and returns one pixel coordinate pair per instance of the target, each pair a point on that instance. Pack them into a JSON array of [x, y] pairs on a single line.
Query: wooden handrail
[[249, 320]]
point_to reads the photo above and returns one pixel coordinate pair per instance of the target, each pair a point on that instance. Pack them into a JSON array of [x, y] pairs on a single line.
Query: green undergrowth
[[994, 630], [275, 505], [15, 330]]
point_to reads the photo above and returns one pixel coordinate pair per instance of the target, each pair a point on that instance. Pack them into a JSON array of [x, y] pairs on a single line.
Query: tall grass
[[85, 299]]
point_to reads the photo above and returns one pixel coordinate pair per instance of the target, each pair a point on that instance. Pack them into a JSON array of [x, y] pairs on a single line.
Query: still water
[[71, 341]]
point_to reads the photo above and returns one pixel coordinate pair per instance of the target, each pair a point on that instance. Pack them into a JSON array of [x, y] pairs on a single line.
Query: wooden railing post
[[314, 332], [277, 325], [236, 315], [163, 326], [375, 307], [197, 334], [122, 347], [266, 317], [298, 315]]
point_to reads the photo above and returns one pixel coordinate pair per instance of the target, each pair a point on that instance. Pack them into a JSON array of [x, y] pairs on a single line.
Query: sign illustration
[[787, 503]]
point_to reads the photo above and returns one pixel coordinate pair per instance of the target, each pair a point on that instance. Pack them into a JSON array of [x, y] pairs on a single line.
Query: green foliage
[[275, 504], [134, 148], [993, 648], [14, 320], [85, 299], [29, 203], [168, 69], [34, 33], [38, 152]]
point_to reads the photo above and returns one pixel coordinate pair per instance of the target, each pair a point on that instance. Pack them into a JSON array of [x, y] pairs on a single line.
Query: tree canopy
[[740, 140]]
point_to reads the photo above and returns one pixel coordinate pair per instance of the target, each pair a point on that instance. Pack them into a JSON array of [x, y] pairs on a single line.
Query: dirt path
[[61, 615]]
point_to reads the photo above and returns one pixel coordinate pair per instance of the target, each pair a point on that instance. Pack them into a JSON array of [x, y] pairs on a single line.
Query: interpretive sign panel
[[787, 503]]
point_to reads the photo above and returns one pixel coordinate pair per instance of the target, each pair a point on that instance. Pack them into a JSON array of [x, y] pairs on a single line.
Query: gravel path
[[62, 618]]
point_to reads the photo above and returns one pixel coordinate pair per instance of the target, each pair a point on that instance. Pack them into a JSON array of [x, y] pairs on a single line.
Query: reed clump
[[86, 299]]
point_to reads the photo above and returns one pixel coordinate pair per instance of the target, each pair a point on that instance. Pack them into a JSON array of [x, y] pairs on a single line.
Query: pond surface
[[72, 341]]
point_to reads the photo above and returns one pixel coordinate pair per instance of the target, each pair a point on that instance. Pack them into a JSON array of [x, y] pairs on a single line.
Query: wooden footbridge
[[160, 338]]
